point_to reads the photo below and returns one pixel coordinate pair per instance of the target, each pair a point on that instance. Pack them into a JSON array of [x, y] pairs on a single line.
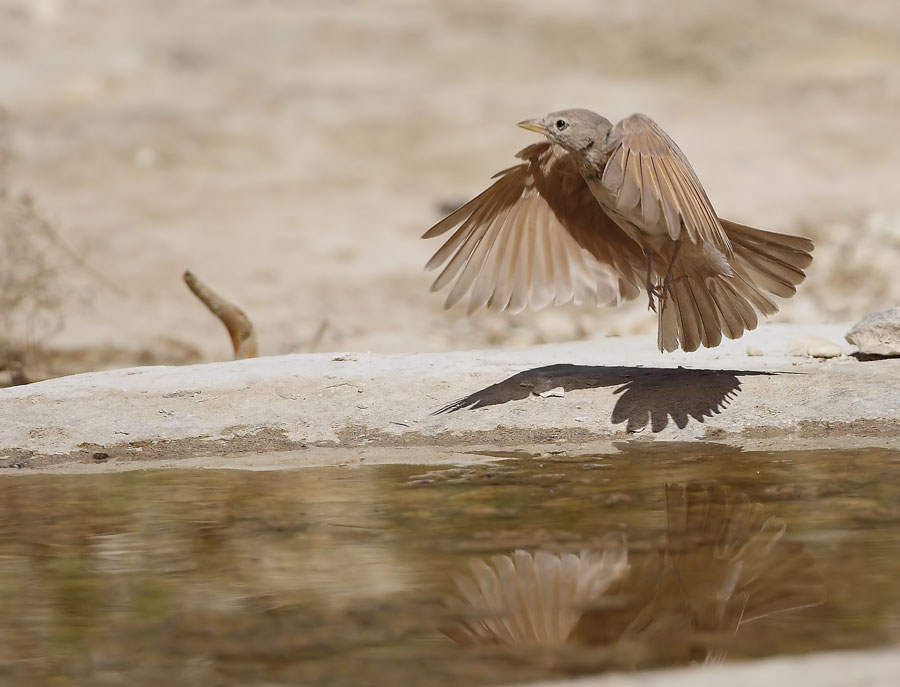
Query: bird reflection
[[533, 599], [725, 563]]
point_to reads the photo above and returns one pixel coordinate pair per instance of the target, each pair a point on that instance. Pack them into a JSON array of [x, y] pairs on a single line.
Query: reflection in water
[[329, 576], [525, 599], [725, 563]]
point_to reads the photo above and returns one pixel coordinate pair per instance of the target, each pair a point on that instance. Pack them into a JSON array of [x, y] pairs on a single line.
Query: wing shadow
[[646, 395]]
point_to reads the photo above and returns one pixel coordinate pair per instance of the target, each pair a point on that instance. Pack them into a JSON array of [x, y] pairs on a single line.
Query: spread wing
[[536, 236], [651, 177]]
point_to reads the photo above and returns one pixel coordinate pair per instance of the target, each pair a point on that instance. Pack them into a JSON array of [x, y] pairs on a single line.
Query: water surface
[[407, 575]]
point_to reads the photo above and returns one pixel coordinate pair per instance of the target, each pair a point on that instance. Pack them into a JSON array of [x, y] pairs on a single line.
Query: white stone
[[555, 392], [878, 333]]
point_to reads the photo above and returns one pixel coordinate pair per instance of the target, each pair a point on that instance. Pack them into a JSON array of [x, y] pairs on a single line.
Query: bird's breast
[[630, 221]]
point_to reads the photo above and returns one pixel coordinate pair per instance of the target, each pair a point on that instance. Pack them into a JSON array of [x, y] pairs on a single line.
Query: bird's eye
[[561, 124]]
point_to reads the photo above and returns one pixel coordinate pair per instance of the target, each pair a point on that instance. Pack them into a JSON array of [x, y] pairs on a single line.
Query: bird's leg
[[652, 289], [667, 278]]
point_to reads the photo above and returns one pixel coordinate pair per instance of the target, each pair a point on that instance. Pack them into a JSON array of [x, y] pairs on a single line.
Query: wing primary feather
[[453, 243], [542, 277], [475, 266], [461, 258], [523, 269], [485, 282], [583, 283], [457, 262], [492, 273], [466, 209], [562, 273], [480, 215], [508, 258]]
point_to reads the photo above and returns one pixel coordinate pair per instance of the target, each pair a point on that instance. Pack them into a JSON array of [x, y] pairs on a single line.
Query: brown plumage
[[599, 211]]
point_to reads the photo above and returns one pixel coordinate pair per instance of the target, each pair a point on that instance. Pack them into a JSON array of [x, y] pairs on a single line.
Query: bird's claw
[[654, 294]]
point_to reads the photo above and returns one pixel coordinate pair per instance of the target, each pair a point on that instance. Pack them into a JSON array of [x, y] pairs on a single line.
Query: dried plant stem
[[240, 329]]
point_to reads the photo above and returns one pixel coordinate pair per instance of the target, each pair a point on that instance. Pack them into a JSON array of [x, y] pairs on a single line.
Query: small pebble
[[556, 392], [754, 351], [814, 347]]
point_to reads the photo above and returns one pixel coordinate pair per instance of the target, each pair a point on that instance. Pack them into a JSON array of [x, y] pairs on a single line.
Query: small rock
[[877, 334], [555, 392], [754, 351], [815, 347]]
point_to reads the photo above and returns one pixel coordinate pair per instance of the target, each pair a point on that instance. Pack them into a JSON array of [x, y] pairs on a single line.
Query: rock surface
[[602, 391], [877, 334]]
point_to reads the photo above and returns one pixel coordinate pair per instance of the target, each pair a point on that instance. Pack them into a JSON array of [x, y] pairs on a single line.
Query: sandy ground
[[291, 153]]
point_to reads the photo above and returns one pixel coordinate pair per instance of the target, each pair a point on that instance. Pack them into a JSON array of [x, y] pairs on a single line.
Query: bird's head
[[575, 130]]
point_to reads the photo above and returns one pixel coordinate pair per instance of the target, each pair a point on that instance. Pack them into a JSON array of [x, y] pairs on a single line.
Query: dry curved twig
[[240, 329]]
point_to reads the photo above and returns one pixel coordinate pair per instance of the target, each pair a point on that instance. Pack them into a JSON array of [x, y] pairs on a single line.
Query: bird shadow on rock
[[646, 395]]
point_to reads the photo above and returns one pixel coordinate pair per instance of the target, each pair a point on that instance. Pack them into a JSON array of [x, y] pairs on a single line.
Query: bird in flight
[[597, 212]]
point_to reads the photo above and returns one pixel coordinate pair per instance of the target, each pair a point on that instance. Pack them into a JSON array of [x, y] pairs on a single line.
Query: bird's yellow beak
[[536, 125]]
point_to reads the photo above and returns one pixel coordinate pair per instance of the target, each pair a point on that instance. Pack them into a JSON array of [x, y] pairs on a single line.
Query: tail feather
[[705, 302], [690, 323], [709, 316], [731, 296], [751, 292], [773, 262]]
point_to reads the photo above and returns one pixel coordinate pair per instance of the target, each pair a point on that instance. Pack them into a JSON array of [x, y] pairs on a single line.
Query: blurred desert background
[[292, 153]]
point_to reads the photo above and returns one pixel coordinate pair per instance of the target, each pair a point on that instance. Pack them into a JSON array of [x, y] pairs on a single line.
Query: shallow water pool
[[531, 567]]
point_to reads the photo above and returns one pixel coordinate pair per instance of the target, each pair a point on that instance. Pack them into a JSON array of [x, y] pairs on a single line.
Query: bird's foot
[[655, 295], [652, 289]]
